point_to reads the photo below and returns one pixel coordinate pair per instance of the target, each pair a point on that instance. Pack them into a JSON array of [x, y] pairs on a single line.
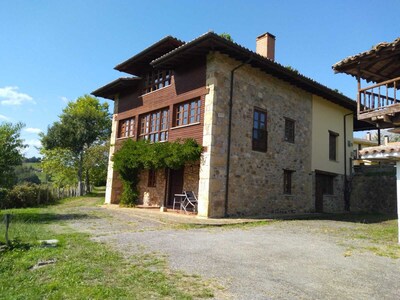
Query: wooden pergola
[[379, 103]]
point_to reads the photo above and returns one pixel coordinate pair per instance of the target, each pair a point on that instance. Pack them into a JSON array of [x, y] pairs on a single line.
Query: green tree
[[83, 123], [11, 146], [96, 164], [61, 166]]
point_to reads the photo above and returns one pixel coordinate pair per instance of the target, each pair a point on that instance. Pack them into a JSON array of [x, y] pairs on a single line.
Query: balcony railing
[[379, 99]]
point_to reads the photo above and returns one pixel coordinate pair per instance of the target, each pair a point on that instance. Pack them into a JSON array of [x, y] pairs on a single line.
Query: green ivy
[[135, 156]]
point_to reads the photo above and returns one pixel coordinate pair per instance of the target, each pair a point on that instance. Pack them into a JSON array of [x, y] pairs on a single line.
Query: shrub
[[26, 195], [135, 156]]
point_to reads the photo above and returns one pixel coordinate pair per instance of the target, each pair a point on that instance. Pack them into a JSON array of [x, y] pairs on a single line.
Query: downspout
[[228, 151], [346, 190]]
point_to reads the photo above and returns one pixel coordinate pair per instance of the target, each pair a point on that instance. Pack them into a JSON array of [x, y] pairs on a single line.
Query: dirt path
[[283, 260]]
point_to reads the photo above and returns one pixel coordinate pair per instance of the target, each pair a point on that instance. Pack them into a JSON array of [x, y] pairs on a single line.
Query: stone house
[[284, 140]]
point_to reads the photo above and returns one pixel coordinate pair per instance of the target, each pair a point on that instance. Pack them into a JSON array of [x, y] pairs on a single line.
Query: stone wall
[[335, 203], [373, 189], [111, 188], [154, 196], [256, 178]]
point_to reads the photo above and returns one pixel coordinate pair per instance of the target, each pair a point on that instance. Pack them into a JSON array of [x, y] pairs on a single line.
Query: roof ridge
[[294, 73]]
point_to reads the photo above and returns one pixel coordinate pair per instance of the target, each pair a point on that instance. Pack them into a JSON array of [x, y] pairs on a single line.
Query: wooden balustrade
[[379, 99]]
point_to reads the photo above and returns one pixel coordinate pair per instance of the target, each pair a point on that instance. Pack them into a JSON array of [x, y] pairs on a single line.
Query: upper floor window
[[154, 126], [156, 80], [333, 145], [126, 128], [289, 130], [187, 112], [260, 135]]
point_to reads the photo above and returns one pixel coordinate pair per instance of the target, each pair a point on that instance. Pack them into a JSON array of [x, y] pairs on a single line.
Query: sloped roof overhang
[[379, 64], [109, 90], [210, 41], [140, 61]]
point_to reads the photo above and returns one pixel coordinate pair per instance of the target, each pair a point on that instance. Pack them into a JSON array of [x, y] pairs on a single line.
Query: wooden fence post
[[7, 219]]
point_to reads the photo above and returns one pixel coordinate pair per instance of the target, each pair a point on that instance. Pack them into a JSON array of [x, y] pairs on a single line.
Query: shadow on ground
[[46, 217], [365, 218], [345, 217]]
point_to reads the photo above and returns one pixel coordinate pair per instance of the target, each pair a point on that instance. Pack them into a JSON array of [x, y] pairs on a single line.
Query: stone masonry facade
[[256, 178]]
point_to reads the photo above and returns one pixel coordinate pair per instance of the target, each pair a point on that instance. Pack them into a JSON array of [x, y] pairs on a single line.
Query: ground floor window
[[287, 181], [152, 178]]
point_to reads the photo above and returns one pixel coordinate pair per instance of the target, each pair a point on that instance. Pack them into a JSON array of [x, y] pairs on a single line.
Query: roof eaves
[[121, 66], [123, 81], [354, 59], [278, 68]]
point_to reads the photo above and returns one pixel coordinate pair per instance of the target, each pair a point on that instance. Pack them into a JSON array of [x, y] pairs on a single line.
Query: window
[[152, 178], [287, 182], [154, 126], [156, 80], [187, 112], [260, 136], [333, 145], [289, 130], [126, 128]]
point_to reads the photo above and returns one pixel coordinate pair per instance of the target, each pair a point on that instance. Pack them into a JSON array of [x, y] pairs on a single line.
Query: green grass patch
[[81, 268]]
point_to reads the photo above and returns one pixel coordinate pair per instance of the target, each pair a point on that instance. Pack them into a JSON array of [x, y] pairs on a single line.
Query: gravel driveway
[[282, 260]]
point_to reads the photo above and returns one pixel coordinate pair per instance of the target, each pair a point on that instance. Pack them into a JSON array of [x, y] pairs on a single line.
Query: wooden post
[[398, 197], [7, 219]]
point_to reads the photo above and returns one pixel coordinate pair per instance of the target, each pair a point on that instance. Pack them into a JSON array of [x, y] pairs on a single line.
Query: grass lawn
[[79, 268]]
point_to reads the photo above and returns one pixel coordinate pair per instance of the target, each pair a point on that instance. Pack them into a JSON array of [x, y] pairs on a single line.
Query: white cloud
[[10, 95], [64, 99], [33, 130], [4, 118], [33, 143]]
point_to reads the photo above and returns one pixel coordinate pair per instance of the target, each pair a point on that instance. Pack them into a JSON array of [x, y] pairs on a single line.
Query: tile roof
[[210, 41], [383, 149], [378, 64]]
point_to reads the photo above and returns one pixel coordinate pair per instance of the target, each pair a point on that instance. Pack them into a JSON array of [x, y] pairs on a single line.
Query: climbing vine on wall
[[135, 156]]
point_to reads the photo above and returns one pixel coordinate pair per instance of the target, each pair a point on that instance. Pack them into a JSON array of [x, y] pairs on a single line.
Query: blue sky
[[52, 52]]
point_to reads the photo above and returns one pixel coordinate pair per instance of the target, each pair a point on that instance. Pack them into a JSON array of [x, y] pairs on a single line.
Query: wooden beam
[[392, 109], [374, 74]]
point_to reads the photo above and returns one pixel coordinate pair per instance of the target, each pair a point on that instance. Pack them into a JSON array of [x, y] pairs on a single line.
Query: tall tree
[[11, 146], [83, 123], [60, 165], [96, 164]]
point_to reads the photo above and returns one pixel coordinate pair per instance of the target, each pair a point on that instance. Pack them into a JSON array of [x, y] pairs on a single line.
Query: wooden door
[[319, 193], [175, 184]]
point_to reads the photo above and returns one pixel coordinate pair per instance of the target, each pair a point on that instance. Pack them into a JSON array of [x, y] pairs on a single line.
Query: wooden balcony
[[380, 103]]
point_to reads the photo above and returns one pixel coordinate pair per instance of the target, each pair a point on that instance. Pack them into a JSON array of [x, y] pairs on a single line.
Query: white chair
[[190, 201], [178, 199]]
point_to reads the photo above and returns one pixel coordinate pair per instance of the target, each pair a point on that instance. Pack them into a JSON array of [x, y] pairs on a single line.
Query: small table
[[181, 197]]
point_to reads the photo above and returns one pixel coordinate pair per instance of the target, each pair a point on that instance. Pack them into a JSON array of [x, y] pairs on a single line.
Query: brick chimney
[[265, 45]]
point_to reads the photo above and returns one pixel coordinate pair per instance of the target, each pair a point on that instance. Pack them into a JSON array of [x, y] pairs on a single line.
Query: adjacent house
[[358, 145], [274, 140], [378, 103]]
